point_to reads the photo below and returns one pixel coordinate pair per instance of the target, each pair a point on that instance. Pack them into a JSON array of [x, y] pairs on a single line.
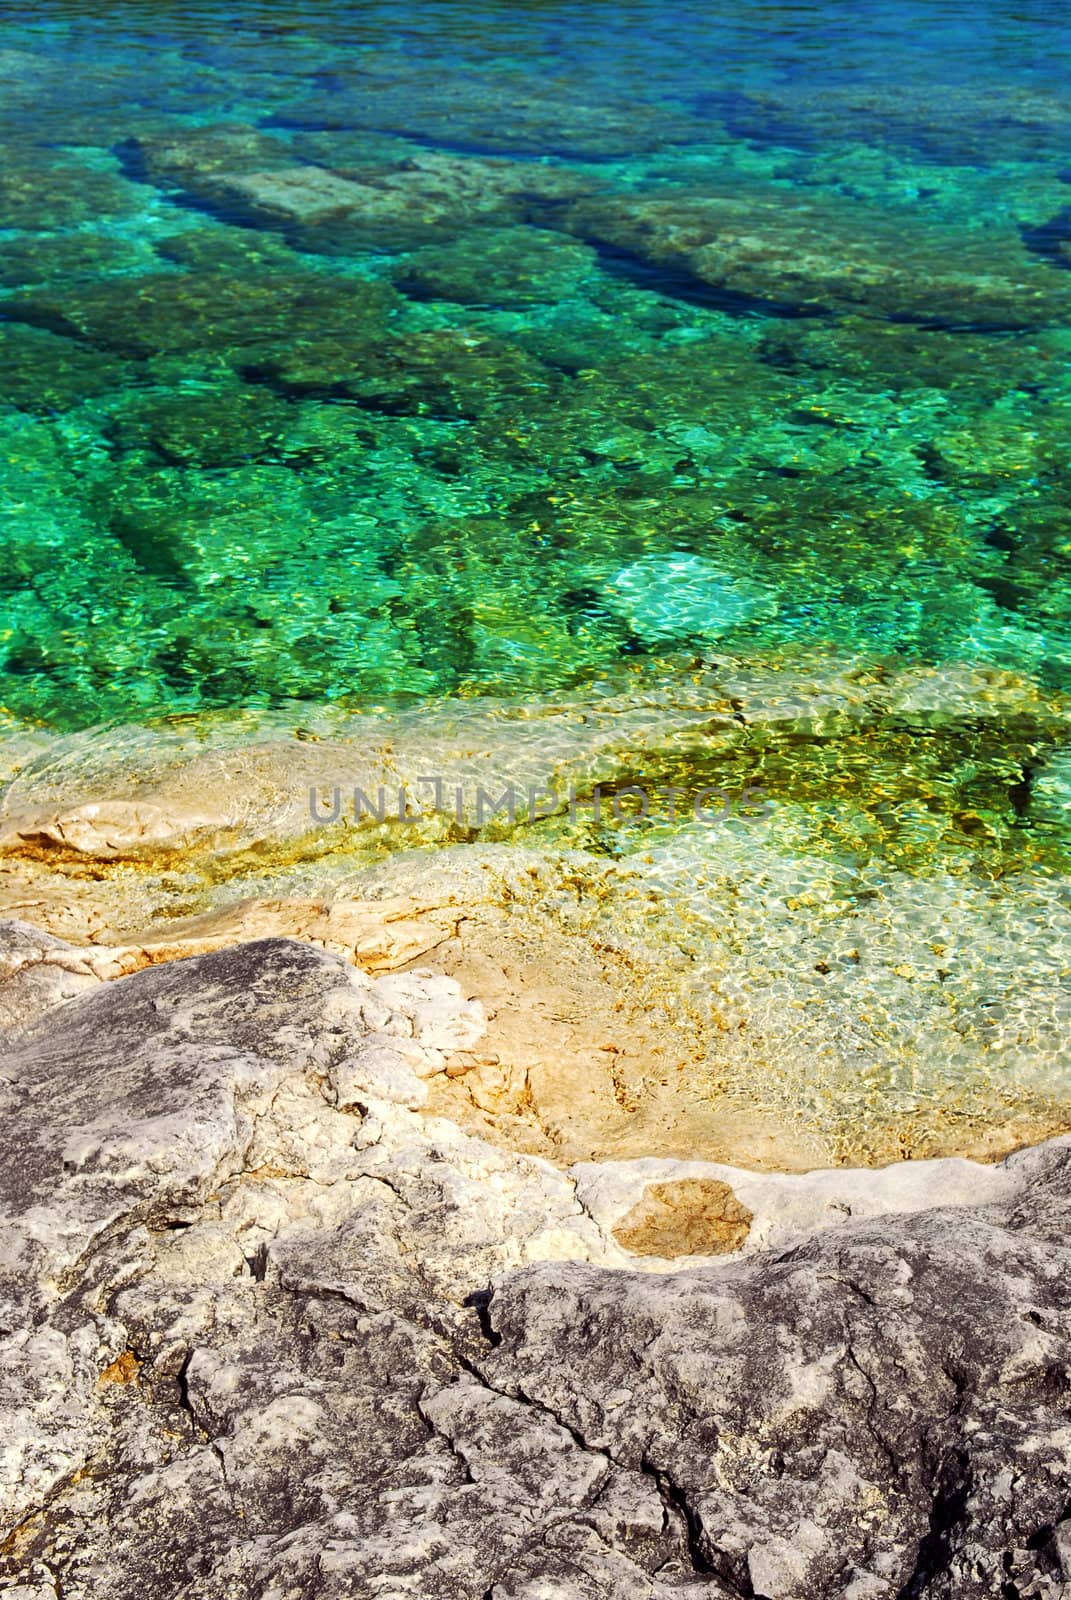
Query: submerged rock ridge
[[274, 1328]]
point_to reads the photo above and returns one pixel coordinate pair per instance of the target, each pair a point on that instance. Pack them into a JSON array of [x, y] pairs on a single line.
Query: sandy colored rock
[[111, 830], [575, 1066], [376, 936]]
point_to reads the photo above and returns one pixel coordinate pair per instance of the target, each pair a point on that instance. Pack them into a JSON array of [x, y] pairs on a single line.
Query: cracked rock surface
[[272, 1330]]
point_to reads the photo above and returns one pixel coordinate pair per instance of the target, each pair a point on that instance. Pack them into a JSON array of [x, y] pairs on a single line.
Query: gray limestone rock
[[272, 1332], [37, 971]]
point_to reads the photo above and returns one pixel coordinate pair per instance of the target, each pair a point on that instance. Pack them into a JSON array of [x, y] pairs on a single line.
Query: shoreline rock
[[279, 1330], [751, 991]]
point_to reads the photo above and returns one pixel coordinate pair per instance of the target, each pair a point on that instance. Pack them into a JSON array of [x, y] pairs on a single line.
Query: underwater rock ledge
[[276, 1329]]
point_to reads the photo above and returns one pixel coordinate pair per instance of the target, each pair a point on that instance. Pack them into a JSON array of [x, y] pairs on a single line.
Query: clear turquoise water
[[543, 356], [555, 337]]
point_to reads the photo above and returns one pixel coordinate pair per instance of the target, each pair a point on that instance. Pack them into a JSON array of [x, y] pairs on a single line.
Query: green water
[[628, 334]]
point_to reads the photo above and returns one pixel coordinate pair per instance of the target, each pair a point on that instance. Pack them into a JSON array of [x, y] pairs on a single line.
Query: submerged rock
[[1050, 792], [811, 252], [219, 429], [45, 372], [969, 123], [288, 196], [341, 149], [494, 114], [407, 196], [430, 195], [220, 248], [194, 312], [186, 157], [33, 259], [500, 266], [48, 192], [441, 372], [23, 73], [1051, 239]]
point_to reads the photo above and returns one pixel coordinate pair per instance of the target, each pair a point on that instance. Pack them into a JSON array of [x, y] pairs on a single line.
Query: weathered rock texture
[[274, 1330]]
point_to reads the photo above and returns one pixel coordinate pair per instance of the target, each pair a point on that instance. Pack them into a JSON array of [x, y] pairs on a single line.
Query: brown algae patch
[[688, 1217]]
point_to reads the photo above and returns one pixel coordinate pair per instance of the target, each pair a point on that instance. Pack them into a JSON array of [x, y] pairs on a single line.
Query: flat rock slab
[[428, 196], [808, 255], [494, 114], [186, 156], [171, 313], [334, 206]]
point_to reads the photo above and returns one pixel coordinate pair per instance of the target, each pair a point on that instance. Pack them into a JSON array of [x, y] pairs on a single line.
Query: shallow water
[[512, 416], [408, 352]]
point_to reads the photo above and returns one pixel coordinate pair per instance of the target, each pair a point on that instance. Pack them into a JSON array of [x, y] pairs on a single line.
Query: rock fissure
[[938, 1548], [672, 1495], [182, 1388], [870, 1422], [680, 1508], [450, 1442]]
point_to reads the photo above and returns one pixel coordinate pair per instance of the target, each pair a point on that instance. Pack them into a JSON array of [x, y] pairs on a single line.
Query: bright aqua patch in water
[[682, 596]]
